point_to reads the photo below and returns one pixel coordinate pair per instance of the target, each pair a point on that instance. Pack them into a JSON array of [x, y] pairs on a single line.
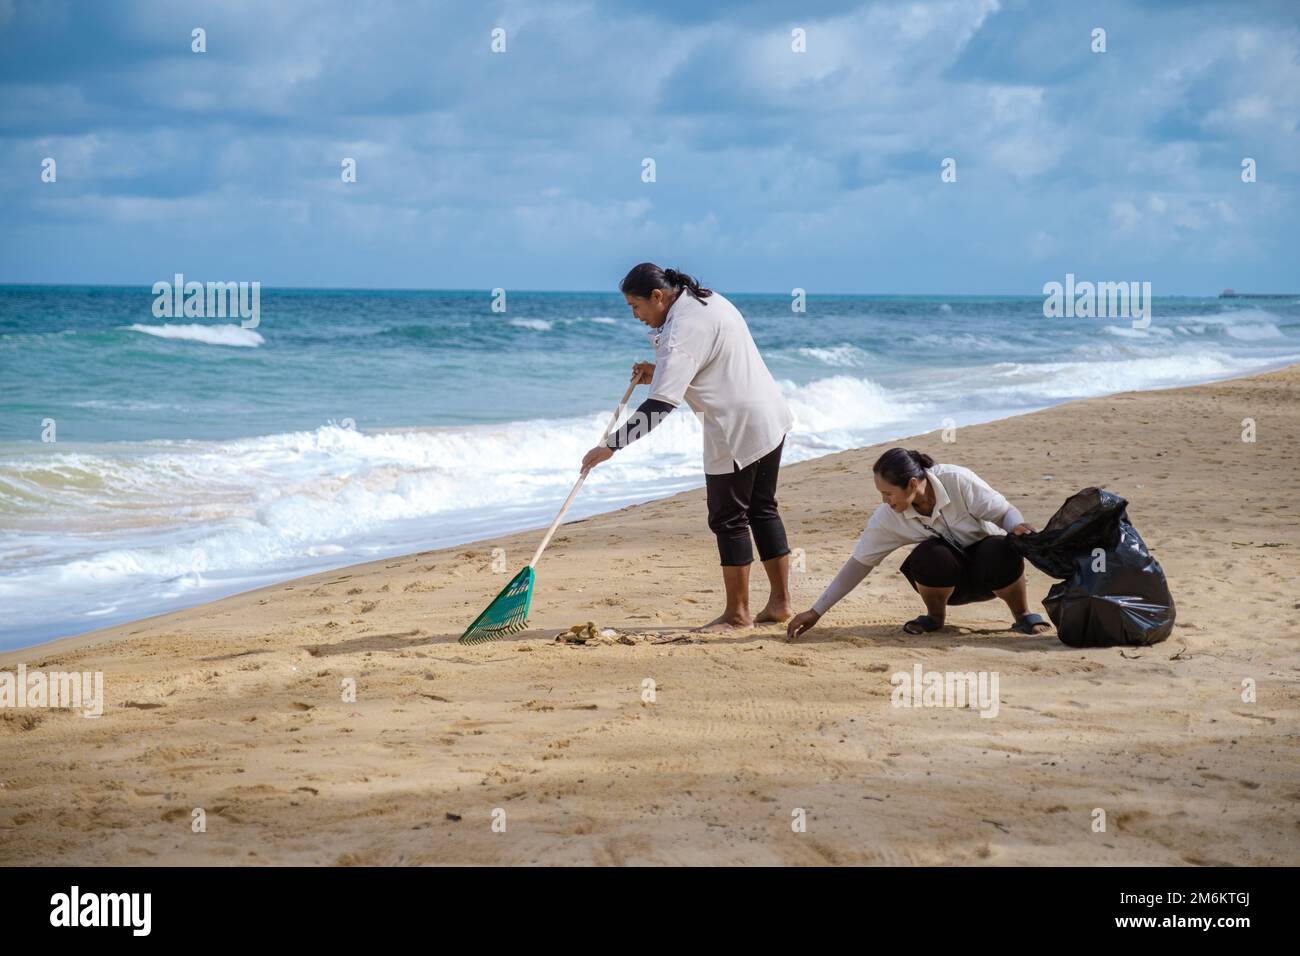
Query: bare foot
[[725, 622], [774, 612]]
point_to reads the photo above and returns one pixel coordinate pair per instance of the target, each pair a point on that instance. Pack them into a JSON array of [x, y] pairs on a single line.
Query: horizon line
[[1232, 293]]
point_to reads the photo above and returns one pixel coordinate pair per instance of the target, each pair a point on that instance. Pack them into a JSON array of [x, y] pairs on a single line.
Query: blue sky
[[775, 169]]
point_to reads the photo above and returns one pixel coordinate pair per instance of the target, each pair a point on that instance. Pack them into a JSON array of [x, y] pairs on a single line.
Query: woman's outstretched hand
[[1023, 528], [596, 456], [800, 623], [643, 372]]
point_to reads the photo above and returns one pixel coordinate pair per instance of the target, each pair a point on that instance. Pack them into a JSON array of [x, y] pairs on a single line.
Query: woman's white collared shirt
[[966, 510], [705, 356]]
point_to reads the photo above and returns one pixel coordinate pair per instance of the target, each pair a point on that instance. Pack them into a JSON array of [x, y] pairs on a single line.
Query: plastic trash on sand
[[1114, 591]]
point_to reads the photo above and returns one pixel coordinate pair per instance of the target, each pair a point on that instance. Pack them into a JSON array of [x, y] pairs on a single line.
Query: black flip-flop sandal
[[1026, 624], [925, 622]]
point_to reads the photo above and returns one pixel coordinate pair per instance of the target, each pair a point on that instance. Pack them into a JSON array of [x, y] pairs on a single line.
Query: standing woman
[[705, 356], [959, 525]]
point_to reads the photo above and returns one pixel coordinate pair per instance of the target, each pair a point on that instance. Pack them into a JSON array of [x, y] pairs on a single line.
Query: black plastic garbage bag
[[1114, 591]]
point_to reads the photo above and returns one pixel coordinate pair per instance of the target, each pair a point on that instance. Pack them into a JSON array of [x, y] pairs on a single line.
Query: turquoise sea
[[194, 458]]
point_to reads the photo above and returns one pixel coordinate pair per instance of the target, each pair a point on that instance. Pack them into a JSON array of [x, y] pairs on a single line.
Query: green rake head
[[507, 613]]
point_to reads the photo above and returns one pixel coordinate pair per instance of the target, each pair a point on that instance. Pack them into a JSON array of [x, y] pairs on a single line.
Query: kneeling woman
[[963, 554]]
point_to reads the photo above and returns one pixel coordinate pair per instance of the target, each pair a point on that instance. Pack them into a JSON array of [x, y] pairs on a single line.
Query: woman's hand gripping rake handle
[[618, 413]]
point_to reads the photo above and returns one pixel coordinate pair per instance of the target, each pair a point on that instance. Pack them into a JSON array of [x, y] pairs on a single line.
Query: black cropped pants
[[975, 572], [744, 502]]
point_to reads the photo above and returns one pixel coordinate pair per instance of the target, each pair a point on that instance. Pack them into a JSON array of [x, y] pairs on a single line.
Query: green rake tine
[[507, 614]]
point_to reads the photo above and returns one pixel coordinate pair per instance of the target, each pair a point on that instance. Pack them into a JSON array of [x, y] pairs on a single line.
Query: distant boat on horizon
[[1233, 294]]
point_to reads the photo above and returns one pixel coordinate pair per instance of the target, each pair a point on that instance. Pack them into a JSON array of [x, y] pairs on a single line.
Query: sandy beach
[[236, 708]]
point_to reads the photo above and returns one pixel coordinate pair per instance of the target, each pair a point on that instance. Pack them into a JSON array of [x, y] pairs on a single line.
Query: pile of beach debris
[[590, 634]]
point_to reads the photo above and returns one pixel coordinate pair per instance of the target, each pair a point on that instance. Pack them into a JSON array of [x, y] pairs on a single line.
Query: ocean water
[[194, 458]]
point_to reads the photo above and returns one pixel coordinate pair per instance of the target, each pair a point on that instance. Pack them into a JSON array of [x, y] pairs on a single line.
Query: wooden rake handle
[[613, 420]]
